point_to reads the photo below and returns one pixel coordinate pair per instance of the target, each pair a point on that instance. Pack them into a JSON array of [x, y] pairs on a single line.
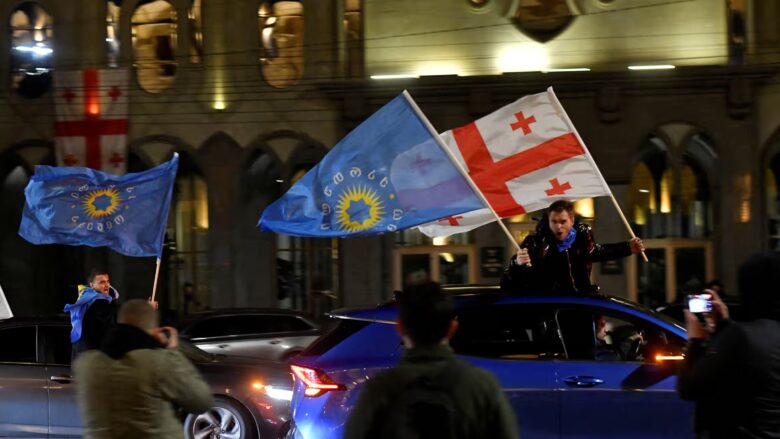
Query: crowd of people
[[130, 374]]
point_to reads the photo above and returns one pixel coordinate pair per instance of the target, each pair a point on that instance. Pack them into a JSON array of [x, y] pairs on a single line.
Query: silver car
[[270, 334], [37, 392]]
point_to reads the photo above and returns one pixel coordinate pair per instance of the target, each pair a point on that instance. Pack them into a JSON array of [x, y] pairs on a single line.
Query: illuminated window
[[31, 30], [154, 45], [666, 201], [353, 32], [196, 32], [112, 32], [281, 42]]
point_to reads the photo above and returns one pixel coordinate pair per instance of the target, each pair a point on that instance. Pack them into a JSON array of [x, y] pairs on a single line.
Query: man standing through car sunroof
[[558, 257]]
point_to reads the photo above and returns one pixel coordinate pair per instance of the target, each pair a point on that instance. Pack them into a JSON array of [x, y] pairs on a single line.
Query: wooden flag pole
[[565, 117], [459, 167], [156, 277]]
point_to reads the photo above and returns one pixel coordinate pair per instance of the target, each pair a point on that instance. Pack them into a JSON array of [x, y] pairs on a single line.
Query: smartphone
[[699, 303]]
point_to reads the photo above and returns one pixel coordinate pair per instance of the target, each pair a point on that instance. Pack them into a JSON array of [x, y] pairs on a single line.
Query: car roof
[[228, 312], [470, 295]]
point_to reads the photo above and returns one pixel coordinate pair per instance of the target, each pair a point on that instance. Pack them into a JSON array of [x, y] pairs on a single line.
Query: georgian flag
[[91, 127], [522, 157]]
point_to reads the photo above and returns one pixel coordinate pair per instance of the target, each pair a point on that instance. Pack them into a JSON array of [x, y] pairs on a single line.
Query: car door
[[611, 385], [64, 418], [23, 388], [519, 345]]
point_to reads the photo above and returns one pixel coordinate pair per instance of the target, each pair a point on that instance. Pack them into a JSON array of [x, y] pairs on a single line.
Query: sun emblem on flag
[[359, 208], [101, 203]]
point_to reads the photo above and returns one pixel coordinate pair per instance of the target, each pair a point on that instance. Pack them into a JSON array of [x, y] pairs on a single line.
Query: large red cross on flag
[[522, 157], [91, 126]]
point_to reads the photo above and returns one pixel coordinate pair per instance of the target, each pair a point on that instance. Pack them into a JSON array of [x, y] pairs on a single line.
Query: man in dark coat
[[732, 371], [558, 257], [431, 393]]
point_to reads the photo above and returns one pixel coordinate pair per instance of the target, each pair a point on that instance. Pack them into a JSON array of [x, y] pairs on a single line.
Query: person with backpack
[[430, 393]]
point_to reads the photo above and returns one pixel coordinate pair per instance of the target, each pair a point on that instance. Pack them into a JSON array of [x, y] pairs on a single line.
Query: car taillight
[[316, 381]]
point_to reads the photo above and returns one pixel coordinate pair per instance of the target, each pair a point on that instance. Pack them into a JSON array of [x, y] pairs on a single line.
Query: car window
[[598, 335], [287, 324], [56, 344], [247, 324], [18, 345], [525, 332], [212, 327]]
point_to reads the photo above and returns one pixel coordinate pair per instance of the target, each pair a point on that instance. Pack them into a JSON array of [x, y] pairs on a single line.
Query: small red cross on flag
[[521, 172], [91, 126]]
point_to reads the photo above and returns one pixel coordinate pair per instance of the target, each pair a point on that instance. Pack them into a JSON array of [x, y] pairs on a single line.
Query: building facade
[[252, 93]]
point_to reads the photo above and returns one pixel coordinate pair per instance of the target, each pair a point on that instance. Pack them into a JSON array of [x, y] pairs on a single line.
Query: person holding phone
[[732, 370], [129, 387]]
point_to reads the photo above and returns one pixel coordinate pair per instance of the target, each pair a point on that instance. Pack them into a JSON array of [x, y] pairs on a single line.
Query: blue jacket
[[77, 310]]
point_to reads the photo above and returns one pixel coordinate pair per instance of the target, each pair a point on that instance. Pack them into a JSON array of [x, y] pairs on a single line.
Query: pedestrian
[[732, 370], [93, 313], [557, 258], [430, 393], [130, 387]]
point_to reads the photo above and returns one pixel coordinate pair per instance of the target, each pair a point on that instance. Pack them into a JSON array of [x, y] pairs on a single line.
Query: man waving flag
[[82, 206], [522, 157]]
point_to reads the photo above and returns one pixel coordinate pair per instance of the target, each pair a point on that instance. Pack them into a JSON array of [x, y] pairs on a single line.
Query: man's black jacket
[[557, 272]]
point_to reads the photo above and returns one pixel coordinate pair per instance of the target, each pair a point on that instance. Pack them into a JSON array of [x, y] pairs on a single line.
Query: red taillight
[[316, 382]]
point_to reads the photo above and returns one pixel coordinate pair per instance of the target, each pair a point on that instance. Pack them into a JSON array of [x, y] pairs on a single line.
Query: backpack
[[424, 407]]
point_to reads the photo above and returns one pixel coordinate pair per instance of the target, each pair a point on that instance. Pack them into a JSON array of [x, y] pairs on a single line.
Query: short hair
[[138, 313], [425, 313], [95, 272], [562, 206]]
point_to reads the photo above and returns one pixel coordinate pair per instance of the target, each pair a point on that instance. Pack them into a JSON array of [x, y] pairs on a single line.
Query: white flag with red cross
[[91, 127], [522, 157]]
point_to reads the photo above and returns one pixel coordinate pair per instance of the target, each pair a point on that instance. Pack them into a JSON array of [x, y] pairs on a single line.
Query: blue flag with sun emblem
[[82, 206], [388, 174]]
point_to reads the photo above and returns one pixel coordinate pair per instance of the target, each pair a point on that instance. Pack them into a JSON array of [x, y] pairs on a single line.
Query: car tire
[[226, 418]]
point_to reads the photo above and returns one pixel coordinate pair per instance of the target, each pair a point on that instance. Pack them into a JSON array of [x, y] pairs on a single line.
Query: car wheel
[[225, 419]]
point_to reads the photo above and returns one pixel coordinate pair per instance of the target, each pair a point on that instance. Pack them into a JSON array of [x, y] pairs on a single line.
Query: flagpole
[[156, 277], [460, 168], [565, 117]]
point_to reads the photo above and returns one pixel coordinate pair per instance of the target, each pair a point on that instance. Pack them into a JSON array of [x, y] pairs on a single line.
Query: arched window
[[670, 208], [188, 227], [281, 42], [154, 45], [31, 50], [773, 201]]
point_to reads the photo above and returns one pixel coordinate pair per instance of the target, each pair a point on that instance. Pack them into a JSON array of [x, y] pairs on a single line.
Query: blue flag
[[82, 206], [388, 174]]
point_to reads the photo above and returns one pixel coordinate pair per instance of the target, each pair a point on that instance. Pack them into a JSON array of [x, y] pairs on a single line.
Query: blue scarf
[[77, 310], [567, 241]]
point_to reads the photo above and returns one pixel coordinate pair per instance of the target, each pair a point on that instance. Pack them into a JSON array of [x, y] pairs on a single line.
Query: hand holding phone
[[700, 303]]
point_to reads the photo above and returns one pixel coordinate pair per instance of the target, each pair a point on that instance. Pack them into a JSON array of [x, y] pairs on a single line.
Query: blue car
[[571, 367]]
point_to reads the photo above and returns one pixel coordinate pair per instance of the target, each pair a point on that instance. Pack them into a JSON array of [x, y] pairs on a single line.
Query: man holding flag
[[557, 258]]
